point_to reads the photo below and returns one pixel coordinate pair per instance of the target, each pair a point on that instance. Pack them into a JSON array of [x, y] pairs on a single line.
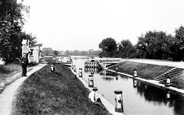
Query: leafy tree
[[108, 47], [47, 51], [178, 44], [67, 52], [32, 39], [108, 44], [126, 48], [11, 22], [154, 45], [56, 52]]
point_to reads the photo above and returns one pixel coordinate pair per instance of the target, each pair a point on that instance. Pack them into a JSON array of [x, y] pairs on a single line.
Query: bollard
[[52, 67], [90, 81], [134, 83], [80, 72], [135, 73], [118, 101], [168, 81], [116, 69]]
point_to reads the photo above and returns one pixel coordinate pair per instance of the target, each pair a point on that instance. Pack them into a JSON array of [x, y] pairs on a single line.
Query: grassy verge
[[59, 93], [178, 81], [147, 71], [9, 70]]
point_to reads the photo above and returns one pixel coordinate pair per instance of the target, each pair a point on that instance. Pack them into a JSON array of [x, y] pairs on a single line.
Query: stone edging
[[152, 82]]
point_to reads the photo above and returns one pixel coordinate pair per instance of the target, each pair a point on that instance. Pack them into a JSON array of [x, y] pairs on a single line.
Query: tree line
[[49, 51], [152, 45]]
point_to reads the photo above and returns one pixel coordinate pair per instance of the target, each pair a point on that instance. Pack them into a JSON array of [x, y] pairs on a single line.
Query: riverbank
[[45, 92], [9, 73], [147, 73]]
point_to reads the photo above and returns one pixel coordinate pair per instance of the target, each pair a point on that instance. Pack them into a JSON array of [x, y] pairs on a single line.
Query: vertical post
[[135, 73], [52, 67], [80, 72], [116, 69], [85, 65], [91, 80], [168, 80], [118, 101]]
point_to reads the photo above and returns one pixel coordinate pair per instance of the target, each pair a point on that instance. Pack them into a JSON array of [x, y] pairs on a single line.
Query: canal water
[[140, 100]]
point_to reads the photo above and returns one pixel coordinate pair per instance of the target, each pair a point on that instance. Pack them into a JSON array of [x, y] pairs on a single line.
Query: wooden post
[[118, 101], [135, 73], [80, 72], [168, 81], [91, 80], [52, 67]]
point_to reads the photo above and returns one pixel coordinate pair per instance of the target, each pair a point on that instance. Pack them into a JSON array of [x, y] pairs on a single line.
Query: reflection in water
[[159, 96], [108, 78], [124, 77], [91, 70], [151, 93], [107, 73], [134, 83], [179, 105]]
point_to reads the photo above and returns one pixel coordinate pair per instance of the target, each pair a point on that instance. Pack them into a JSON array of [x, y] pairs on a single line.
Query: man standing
[[24, 63]]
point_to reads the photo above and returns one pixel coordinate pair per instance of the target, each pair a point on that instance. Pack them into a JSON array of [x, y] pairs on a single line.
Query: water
[[140, 100]]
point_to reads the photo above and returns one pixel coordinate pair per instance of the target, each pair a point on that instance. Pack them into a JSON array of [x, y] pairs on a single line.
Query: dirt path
[[7, 96]]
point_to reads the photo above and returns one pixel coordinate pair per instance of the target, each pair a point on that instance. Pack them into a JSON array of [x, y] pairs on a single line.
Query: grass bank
[[149, 71], [7, 71], [59, 93]]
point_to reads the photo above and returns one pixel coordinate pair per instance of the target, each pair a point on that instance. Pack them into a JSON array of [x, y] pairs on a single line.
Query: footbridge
[[101, 62]]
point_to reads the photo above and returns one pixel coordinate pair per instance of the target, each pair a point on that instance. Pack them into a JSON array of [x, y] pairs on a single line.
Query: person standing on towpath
[[24, 63]]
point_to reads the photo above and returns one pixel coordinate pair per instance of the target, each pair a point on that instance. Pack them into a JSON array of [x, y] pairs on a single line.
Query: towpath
[[158, 62], [7, 96]]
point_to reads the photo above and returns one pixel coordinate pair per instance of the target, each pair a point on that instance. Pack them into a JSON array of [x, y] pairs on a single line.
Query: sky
[[83, 24]]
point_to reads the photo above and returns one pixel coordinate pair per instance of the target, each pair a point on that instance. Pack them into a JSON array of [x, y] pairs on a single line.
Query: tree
[[108, 44], [47, 51], [67, 52], [108, 47], [32, 39], [178, 44], [127, 50], [56, 52], [154, 45], [11, 22]]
